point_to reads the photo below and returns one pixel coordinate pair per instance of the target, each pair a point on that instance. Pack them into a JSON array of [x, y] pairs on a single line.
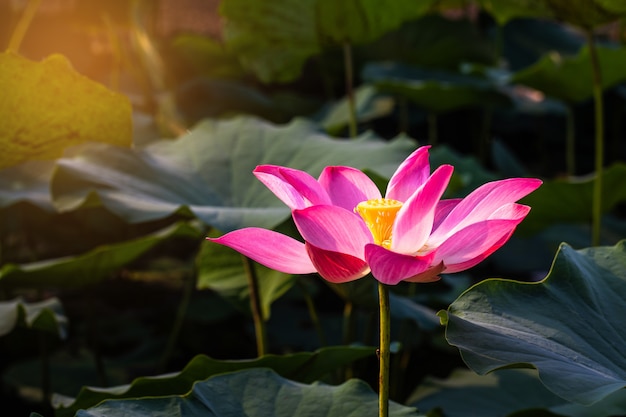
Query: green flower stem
[[401, 360], [22, 25], [255, 307], [383, 351], [599, 140], [349, 73]]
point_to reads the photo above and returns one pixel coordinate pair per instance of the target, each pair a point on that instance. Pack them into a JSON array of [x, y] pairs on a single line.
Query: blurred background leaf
[[568, 326], [47, 107]]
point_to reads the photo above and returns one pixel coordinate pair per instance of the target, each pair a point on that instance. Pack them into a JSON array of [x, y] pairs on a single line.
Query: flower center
[[379, 215]]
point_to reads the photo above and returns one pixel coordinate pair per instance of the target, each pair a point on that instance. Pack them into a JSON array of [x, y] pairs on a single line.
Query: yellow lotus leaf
[[47, 106]]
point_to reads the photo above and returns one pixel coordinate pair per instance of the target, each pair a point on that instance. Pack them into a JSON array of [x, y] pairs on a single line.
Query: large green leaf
[[569, 78], [362, 21], [431, 41], [255, 393], [583, 13], [505, 10], [507, 392], [569, 326], [274, 39], [46, 315], [586, 13], [497, 394], [47, 106], [436, 91], [569, 200], [209, 171], [90, 267], [303, 366]]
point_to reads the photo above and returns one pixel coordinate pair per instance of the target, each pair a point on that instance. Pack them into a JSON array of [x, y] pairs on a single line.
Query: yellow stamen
[[379, 215]]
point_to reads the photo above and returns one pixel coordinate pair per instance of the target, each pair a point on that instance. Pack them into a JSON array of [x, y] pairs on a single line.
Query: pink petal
[[347, 186], [409, 176], [333, 229], [297, 189], [390, 267], [510, 211], [430, 275], [482, 203], [444, 207], [478, 259], [269, 248], [415, 219], [475, 242], [337, 267]]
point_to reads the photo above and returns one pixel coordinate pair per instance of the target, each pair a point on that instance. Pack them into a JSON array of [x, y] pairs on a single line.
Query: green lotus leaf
[[47, 106], [569, 326], [46, 315], [435, 90], [362, 21], [208, 173], [275, 39], [304, 367], [569, 78], [569, 200], [431, 41], [587, 14], [256, 393], [506, 392], [505, 10], [93, 266]]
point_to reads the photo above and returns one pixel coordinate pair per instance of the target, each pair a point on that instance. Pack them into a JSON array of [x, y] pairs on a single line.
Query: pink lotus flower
[[411, 234]]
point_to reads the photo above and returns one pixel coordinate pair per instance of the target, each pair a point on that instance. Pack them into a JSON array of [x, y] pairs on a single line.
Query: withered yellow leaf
[[47, 106]]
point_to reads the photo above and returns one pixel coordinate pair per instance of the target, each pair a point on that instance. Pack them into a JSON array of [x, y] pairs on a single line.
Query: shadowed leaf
[[303, 366], [569, 326]]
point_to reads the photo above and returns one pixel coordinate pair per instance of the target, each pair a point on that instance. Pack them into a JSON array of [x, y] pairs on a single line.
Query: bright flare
[[379, 215]]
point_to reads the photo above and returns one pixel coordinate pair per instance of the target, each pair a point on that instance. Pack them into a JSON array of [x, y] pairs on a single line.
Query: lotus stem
[[384, 351], [349, 74], [255, 307], [596, 214], [22, 25]]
